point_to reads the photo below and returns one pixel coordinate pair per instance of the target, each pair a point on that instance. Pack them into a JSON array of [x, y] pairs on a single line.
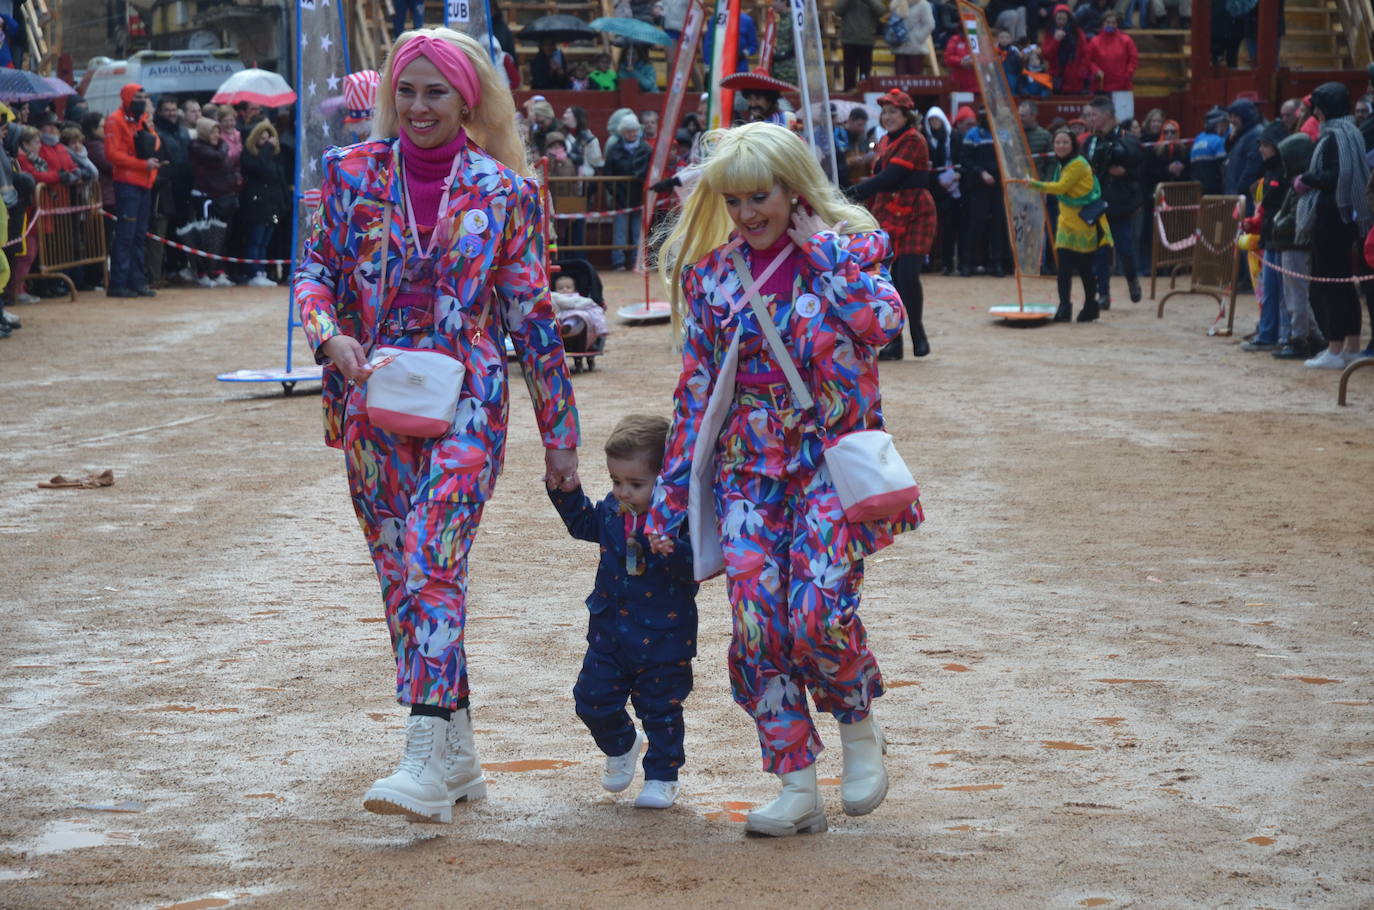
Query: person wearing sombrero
[[761, 93], [899, 197]]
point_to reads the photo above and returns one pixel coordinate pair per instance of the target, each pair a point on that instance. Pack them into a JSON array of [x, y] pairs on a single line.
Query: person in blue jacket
[[1244, 164], [642, 631]]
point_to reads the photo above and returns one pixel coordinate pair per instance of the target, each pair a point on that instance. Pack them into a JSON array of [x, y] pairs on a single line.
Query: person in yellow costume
[[1082, 224]]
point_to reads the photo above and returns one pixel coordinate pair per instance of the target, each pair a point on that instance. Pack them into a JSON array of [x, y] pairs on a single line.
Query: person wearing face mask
[[627, 158], [1114, 57], [131, 145], [430, 236], [743, 445]]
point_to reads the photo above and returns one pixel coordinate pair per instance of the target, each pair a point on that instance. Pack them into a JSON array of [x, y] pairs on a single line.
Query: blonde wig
[[739, 161], [491, 124]]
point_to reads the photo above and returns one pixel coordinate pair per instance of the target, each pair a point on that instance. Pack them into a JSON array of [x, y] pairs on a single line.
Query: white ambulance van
[[186, 74]]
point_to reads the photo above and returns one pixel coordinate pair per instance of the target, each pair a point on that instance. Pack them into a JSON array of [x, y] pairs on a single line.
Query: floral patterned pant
[[420, 550], [796, 625]]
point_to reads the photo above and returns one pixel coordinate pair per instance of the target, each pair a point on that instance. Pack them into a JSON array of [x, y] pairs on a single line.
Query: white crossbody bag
[[872, 480], [412, 391]]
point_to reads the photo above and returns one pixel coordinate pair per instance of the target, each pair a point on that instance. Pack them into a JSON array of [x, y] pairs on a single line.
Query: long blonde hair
[[739, 161], [491, 123]]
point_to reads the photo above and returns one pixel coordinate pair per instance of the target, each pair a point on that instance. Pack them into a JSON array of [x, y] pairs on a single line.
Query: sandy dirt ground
[[1129, 654]]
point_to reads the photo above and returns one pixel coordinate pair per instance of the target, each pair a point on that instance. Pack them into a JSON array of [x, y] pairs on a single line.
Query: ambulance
[[185, 74]]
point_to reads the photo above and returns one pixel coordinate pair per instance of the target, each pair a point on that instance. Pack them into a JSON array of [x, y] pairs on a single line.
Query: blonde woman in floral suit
[[793, 563]]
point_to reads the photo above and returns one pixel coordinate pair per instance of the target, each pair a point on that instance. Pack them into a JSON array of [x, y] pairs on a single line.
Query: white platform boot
[[797, 810], [417, 789], [462, 771], [864, 782]]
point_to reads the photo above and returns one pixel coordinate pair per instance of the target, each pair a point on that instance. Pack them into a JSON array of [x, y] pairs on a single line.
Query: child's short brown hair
[[639, 435]]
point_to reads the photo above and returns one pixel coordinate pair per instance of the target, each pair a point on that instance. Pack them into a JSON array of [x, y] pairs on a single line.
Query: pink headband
[[450, 60]]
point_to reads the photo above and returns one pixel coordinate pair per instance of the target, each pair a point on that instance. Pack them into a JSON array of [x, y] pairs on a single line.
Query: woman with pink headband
[[427, 237]]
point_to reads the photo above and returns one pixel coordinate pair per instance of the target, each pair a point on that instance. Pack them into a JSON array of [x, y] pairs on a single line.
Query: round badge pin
[[475, 222], [808, 305], [470, 246]]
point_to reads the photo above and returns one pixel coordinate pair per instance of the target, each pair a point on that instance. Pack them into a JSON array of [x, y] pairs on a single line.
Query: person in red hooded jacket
[[131, 144], [1066, 51], [1113, 55], [959, 61]]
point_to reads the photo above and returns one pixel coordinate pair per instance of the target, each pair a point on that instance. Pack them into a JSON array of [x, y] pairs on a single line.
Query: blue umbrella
[[633, 29], [17, 86]]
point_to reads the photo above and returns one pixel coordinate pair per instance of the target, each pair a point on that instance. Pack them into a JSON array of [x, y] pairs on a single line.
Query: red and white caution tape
[[27, 231], [190, 249], [1163, 206], [1353, 279], [1180, 246]]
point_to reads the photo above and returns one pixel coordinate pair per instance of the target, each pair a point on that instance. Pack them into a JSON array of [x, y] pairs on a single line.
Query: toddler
[[604, 77], [580, 319], [642, 631]]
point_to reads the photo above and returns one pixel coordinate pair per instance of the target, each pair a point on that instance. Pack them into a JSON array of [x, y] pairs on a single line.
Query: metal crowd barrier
[[1173, 224], [1216, 257], [70, 231]]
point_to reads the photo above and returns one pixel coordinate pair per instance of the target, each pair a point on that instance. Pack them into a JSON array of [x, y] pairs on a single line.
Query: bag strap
[[770, 332], [379, 303]]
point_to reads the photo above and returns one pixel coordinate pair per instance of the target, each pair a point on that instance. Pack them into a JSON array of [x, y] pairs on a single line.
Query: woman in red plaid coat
[[899, 199]]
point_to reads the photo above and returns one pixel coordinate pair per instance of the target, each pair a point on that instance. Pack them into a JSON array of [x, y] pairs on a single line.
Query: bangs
[[737, 169]]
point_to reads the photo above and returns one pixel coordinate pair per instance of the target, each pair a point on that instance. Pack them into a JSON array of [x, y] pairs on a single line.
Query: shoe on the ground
[[998, 272], [921, 348], [797, 810], [1087, 315], [25, 297], [1258, 345], [1352, 356], [145, 292], [1326, 360], [1104, 303], [947, 271], [223, 281], [863, 785], [462, 770], [206, 281], [657, 794], [260, 280], [9, 320], [112, 292], [417, 789], [620, 769], [1064, 313], [1133, 285], [965, 273]]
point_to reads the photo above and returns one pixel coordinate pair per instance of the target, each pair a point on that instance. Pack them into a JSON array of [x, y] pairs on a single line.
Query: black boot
[[893, 350], [920, 344], [1064, 313], [1089, 312]]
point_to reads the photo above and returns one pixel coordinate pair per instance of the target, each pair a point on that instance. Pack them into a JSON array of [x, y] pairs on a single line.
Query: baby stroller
[[584, 334]]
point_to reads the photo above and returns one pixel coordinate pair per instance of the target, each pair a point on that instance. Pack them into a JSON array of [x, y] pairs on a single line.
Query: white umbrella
[[258, 86]]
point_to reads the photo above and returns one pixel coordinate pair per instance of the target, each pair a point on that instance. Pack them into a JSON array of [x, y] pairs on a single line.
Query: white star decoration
[[333, 82], [312, 88], [326, 42]]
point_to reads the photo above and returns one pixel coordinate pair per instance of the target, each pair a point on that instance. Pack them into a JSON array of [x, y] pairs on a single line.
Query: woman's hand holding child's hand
[[660, 544]]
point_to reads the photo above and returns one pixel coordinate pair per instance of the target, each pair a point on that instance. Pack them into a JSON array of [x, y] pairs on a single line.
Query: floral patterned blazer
[[336, 282], [842, 310]]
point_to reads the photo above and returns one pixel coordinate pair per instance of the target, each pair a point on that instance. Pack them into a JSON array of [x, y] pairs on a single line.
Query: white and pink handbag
[[871, 479]]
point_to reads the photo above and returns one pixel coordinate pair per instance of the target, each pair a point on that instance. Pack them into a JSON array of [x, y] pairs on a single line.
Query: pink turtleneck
[[781, 281], [426, 170]]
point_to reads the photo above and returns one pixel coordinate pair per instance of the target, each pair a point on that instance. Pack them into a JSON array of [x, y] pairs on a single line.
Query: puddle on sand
[[265, 613], [1094, 902], [829, 781], [972, 788], [373, 715], [263, 796], [219, 899], [529, 764], [900, 683], [76, 833], [1352, 704], [939, 764], [1316, 680], [946, 752], [1259, 840], [1110, 721], [955, 668], [33, 667], [14, 875], [182, 708], [372, 619], [1065, 746]]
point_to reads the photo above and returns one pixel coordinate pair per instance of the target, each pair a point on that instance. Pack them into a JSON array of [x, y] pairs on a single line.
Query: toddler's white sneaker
[[657, 794], [620, 769]]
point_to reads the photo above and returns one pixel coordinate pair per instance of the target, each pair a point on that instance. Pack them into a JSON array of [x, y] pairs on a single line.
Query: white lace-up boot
[[462, 771], [417, 789], [797, 810], [863, 784]]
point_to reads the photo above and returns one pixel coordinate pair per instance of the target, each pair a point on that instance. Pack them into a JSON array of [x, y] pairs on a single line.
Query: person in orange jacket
[[131, 146]]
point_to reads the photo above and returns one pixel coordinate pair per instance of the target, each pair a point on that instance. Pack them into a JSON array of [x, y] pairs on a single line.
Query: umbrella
[[634, 29], [22, 85], [557, 27], [258, 86]]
